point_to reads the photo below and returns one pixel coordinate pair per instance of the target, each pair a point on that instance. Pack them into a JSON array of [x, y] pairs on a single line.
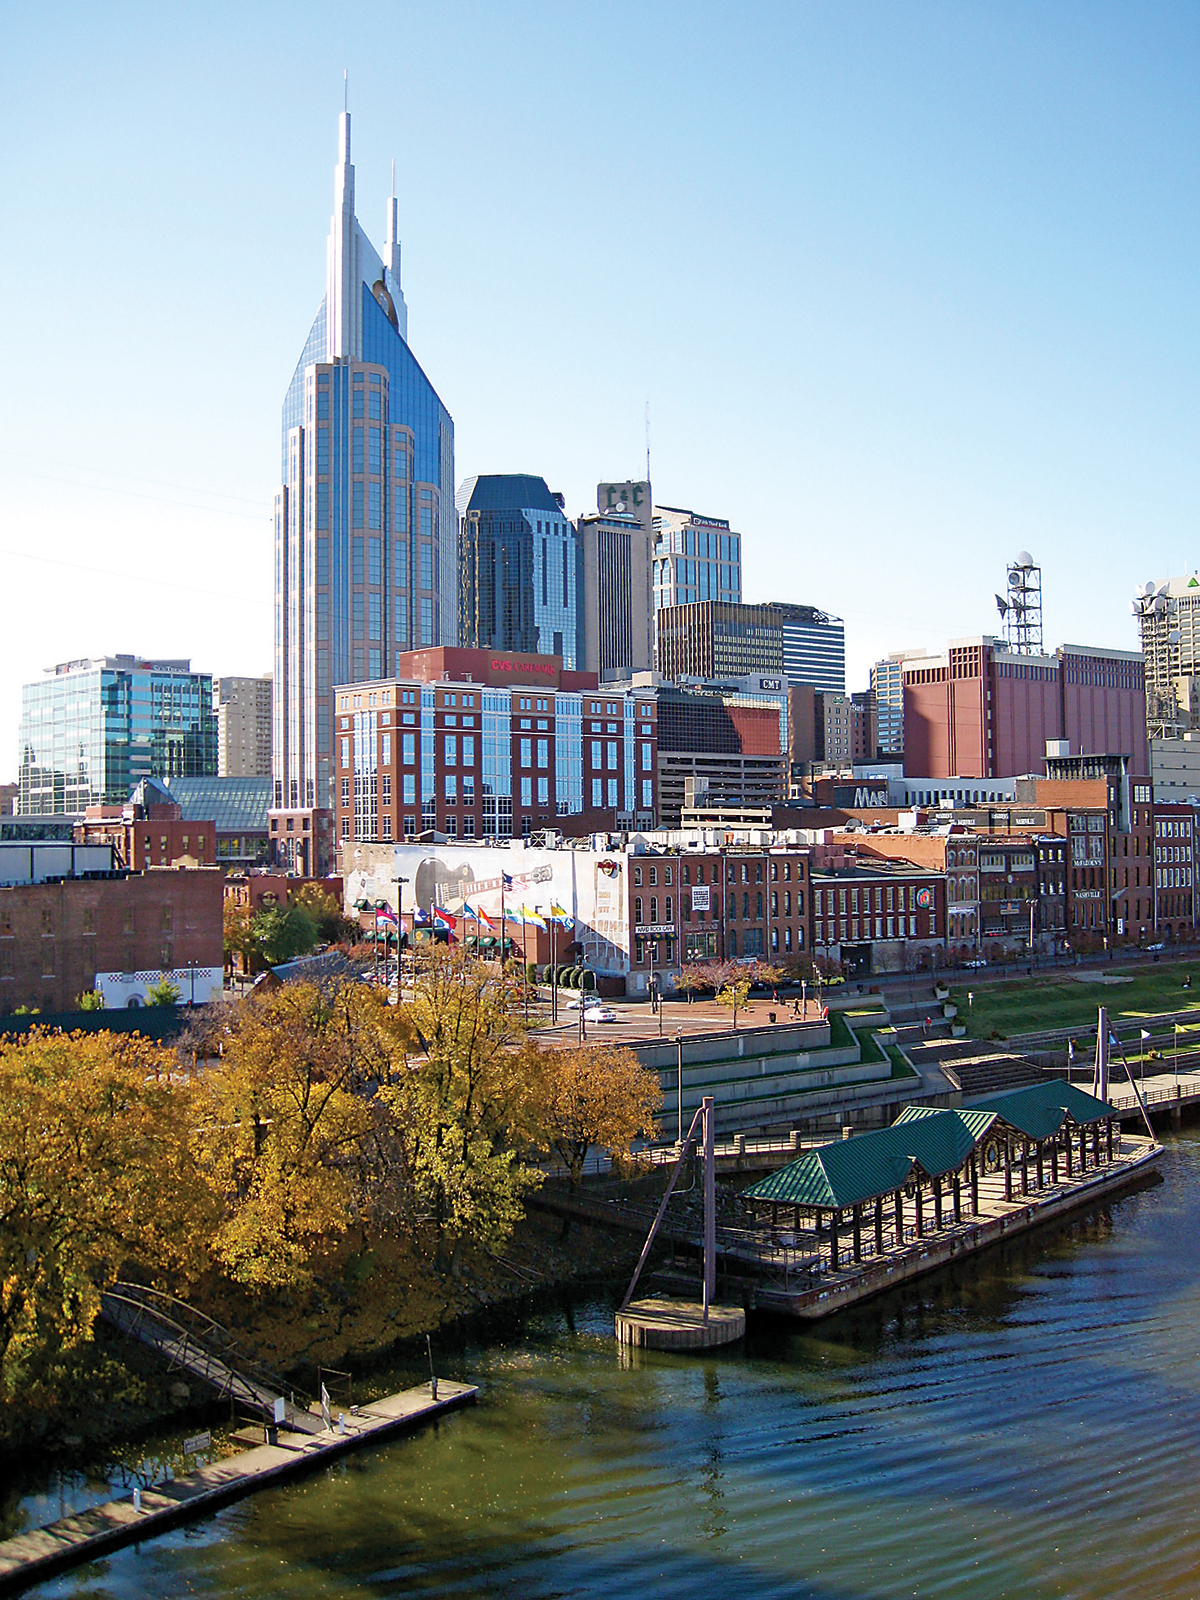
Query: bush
[[587, 980], [163, 993], [90, 1000], [531, 971], [570, 978]]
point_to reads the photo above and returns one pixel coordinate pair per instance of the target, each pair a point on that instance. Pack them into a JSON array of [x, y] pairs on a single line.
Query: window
[[408, 748], [543, 752], [543, 791], [468, 750], [345, 758], [596, 755], [612, 759], [597, 792], [451, 749], [527, 792], [526, 752], [451, 788]]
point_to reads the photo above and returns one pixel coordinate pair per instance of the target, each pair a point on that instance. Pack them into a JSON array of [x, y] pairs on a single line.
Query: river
[[1025, 1425]]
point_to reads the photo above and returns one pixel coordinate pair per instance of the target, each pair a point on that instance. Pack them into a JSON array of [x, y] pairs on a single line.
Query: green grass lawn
[[1027, 1005]]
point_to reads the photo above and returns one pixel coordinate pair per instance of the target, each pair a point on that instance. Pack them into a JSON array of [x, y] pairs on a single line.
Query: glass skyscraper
[[520, 568], [365, 537], [92, 730]]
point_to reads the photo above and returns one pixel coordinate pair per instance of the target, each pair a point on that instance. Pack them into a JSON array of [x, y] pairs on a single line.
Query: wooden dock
[[31, 1557]]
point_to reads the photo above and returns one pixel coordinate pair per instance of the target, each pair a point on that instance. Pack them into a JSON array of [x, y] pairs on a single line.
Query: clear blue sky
[[908, 288]]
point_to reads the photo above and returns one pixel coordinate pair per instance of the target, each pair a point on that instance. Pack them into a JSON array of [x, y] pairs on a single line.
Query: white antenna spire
[[647, 441], [346, 89]]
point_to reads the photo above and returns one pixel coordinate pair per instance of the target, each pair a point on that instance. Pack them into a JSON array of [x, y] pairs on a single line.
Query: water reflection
[[1025, 1426]]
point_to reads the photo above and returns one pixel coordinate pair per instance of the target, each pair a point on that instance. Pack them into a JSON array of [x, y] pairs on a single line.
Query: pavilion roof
[[1040, 1109]]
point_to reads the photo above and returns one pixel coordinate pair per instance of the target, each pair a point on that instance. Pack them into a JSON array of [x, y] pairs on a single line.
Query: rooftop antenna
[[647, 441], [393, 177], [346, 89]]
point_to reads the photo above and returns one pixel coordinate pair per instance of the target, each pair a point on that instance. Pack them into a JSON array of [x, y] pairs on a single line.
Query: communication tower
[[1020, 607]]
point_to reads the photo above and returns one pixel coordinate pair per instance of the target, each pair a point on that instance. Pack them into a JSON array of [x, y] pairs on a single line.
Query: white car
[[599, 1014], [590, 1002]]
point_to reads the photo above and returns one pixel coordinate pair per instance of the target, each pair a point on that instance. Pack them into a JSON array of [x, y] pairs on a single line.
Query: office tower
[[814, 647], [92, 729], [616, 548], [722, 744], [365, 539], [887, 685], [243, 707], [518, 567], [712, 639], [695, 558], [980, 710], [1168, 617]]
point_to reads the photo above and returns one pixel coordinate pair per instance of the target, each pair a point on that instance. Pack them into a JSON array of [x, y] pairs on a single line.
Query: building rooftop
[[233, 805]]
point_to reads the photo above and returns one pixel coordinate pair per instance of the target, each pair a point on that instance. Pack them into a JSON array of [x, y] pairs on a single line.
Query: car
[[1150, 948], [589, 1002], [599, 1014], [976, 961]]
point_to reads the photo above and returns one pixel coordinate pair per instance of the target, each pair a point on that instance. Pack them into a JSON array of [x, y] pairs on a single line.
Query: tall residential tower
[[365, 539]]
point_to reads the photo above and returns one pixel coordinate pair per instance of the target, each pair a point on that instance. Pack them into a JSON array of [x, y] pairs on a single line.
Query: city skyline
[[999, 362]]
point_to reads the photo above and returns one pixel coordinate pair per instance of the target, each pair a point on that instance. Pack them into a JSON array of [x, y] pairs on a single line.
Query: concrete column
[[856, 1231]]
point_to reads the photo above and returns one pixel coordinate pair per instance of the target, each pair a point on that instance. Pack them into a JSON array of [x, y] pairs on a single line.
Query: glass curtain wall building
[[93, 729], [365, 538], [695, 558], [519, 568]]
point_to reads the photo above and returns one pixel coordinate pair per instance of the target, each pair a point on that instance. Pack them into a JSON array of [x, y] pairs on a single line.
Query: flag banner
[[443, 918], [512, 916], [386, 919], [560, 915], [1145, 1033], [533, 918], [484, 920], [506, 880], [421, 918]]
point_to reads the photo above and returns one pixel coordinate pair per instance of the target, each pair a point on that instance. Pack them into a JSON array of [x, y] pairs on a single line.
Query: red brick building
[[61, 938]]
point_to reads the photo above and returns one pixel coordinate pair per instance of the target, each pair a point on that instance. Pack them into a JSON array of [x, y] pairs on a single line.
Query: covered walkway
[[875, 1193]]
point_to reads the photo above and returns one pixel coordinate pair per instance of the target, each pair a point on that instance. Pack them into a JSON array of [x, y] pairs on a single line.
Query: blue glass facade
[[92, 730], [365, 533], [519, 568]]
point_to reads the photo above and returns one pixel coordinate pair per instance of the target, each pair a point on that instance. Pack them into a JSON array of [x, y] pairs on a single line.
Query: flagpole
[[553, 968], [525, 958]]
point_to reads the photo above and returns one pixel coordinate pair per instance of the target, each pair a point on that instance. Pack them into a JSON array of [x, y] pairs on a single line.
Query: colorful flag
[[560, 915], [1145, 1033], [420, 918], [443, 918], [480, 916], [386, 919], [506, 880], [513, 916], [533, 919]]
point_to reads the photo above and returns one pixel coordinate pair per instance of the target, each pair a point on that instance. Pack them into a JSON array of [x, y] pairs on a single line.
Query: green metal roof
[[872, 1164], [1040, 1109]]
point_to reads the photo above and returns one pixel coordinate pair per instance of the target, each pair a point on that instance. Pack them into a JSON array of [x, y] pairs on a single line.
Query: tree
[[90, 1000], [284, 932], [733, 993], [96, 1173], [293, 1107], [333, 927], [163, 993], [598, 1095], [464, 1090], [692, 979], [240, 937]]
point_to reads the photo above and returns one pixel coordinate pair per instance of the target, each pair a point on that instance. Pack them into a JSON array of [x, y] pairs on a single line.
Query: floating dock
[[662, 1324], [30, 1558]]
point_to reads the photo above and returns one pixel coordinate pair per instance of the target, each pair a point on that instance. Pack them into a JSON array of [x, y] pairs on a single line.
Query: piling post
[[710, 1208]]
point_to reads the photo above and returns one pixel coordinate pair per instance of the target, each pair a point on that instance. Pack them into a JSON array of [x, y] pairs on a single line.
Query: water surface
[[1027, 1425]]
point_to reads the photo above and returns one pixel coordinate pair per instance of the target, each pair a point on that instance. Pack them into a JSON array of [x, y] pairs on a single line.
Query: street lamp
[[399, 882]]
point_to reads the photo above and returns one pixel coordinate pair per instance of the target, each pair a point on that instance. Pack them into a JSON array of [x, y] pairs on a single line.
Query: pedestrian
[[925, 1026]]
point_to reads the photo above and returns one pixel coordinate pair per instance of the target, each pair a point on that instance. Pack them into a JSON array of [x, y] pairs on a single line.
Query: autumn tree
[[598, 1096], [240, 937], [463, 1092], [284, 932], [96, 1174], [325, 909], [292, 1113]]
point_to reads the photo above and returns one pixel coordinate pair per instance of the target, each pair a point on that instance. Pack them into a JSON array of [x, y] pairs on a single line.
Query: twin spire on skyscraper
[[352, 261]]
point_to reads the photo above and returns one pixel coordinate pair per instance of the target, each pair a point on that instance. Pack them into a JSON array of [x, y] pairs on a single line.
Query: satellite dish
[[1136, 607], [1147, 590], [1163, 587], [1016, 578], [1024, 559], [1173, 636], [1160, 604], [1001, 605]]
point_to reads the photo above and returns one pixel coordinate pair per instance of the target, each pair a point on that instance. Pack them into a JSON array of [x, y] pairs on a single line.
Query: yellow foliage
[[95, 1173], [600, 1096]]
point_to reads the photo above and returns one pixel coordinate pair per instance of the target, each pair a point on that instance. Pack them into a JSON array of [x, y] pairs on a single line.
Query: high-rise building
[[1168, 616], [616, 549], [980, 710], [243, 707], [365, 537], [723, 743], [712, 639], [887, 685], [695, 558], [518, 568], [92, 729]]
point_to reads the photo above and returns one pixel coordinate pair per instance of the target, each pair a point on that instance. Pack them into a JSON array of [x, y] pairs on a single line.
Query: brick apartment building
[[480, 744], [1175, 851]]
